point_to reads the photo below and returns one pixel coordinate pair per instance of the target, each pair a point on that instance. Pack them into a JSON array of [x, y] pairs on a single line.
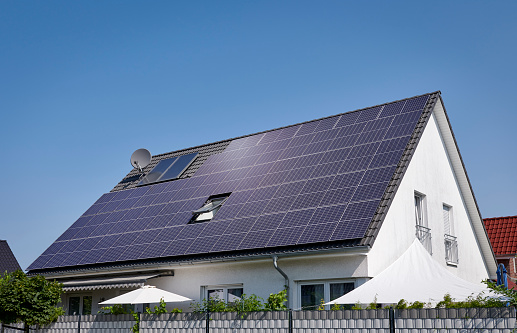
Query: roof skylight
[[211, 206]]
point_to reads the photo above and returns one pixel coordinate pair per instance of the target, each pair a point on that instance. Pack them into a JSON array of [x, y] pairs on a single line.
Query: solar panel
[[285, 236], [317, 233], [168, 169], [313, 182]]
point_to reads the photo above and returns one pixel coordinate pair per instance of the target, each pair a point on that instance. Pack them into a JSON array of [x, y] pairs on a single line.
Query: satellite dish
[[140, 158]]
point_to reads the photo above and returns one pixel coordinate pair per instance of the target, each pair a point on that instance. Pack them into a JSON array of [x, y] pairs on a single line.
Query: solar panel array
[[314, 182]]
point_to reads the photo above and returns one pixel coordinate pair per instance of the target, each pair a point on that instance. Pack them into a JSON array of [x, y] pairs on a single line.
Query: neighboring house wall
[[429, 173]]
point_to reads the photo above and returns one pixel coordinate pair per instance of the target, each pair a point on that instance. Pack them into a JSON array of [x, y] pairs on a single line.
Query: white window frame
[[209, 209], [224, 287], [450, 241], [423, 209], [326, 290], [451, 219], [423, 232]]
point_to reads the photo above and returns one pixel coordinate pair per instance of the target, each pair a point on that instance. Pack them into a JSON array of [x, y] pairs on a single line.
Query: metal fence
[[494, 320]]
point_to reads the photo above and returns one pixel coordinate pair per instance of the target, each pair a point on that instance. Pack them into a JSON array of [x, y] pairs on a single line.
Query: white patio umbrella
[[146, 294]]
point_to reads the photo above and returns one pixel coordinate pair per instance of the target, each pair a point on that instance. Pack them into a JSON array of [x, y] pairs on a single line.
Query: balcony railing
[[424, 235], [451, 249]]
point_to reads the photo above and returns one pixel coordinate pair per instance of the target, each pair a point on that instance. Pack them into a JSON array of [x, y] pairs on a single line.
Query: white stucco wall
[[431, 174], [259, 277], [256, 276]]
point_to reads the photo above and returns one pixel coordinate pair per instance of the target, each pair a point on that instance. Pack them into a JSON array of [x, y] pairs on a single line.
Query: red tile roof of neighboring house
[[511, 284], [502, 232]]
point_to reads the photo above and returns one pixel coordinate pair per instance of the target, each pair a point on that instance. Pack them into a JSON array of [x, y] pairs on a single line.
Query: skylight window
[[209, 208], [168, 169]]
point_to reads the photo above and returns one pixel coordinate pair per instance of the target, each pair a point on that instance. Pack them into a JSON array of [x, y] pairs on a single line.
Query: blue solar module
[[317, 233], [285, 236], [266, 222], [314, 182], [297, 218], [256, 239]]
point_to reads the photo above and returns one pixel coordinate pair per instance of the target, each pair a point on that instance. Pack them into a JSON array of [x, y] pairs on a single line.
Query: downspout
[[275, 263]]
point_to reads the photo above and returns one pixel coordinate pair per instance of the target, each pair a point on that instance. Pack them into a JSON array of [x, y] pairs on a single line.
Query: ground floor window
[[227, 293], [79, 304], [313, 294]]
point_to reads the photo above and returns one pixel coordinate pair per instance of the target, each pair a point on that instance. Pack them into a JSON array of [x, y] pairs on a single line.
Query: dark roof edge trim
[[398, 175]]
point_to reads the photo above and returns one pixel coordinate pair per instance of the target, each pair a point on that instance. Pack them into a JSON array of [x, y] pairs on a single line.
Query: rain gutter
[[275, 263]]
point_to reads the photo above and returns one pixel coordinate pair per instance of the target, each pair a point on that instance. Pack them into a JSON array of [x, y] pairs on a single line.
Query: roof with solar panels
[[322, 184]]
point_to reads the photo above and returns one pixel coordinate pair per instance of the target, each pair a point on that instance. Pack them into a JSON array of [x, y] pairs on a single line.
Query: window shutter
[[447, 220]]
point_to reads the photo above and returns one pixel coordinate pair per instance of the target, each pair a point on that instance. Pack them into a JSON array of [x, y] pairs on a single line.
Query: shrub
[[275, 302], [31, 300]]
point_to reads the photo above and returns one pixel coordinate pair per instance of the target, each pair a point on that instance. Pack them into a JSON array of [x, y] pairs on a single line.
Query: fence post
[[79, 324], [392, 320], [207, 321], [290, 316]]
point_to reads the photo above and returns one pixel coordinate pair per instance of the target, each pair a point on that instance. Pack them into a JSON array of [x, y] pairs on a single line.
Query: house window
[[423, 233], [312, 294], [227, 293], [79, 305], [451, 242], [209, 208]]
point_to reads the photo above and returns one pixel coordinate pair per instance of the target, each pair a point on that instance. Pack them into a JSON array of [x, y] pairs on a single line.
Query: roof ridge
[[296, 124]]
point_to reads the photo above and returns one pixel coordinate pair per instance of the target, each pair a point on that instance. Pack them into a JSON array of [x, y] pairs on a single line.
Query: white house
[[320, 207]]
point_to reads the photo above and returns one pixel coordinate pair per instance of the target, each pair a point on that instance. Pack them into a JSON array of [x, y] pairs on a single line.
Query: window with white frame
[[451, 242], [79, 304], [423, 232], [311, 294], [420, 210], [209, 208], [227, 293]]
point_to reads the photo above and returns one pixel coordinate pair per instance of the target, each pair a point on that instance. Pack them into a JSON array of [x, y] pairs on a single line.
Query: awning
[[414, 276], [128, 281]]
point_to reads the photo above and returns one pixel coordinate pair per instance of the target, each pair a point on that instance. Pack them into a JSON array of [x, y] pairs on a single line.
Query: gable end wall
[[431, 173]]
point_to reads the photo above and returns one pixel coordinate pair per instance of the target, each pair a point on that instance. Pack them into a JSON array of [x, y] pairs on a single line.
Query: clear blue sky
[[85, 83]]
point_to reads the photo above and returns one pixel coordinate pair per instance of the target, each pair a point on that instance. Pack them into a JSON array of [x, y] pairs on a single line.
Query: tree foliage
[[31, 300], [509, 294], [479, 301], [276, 302]]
